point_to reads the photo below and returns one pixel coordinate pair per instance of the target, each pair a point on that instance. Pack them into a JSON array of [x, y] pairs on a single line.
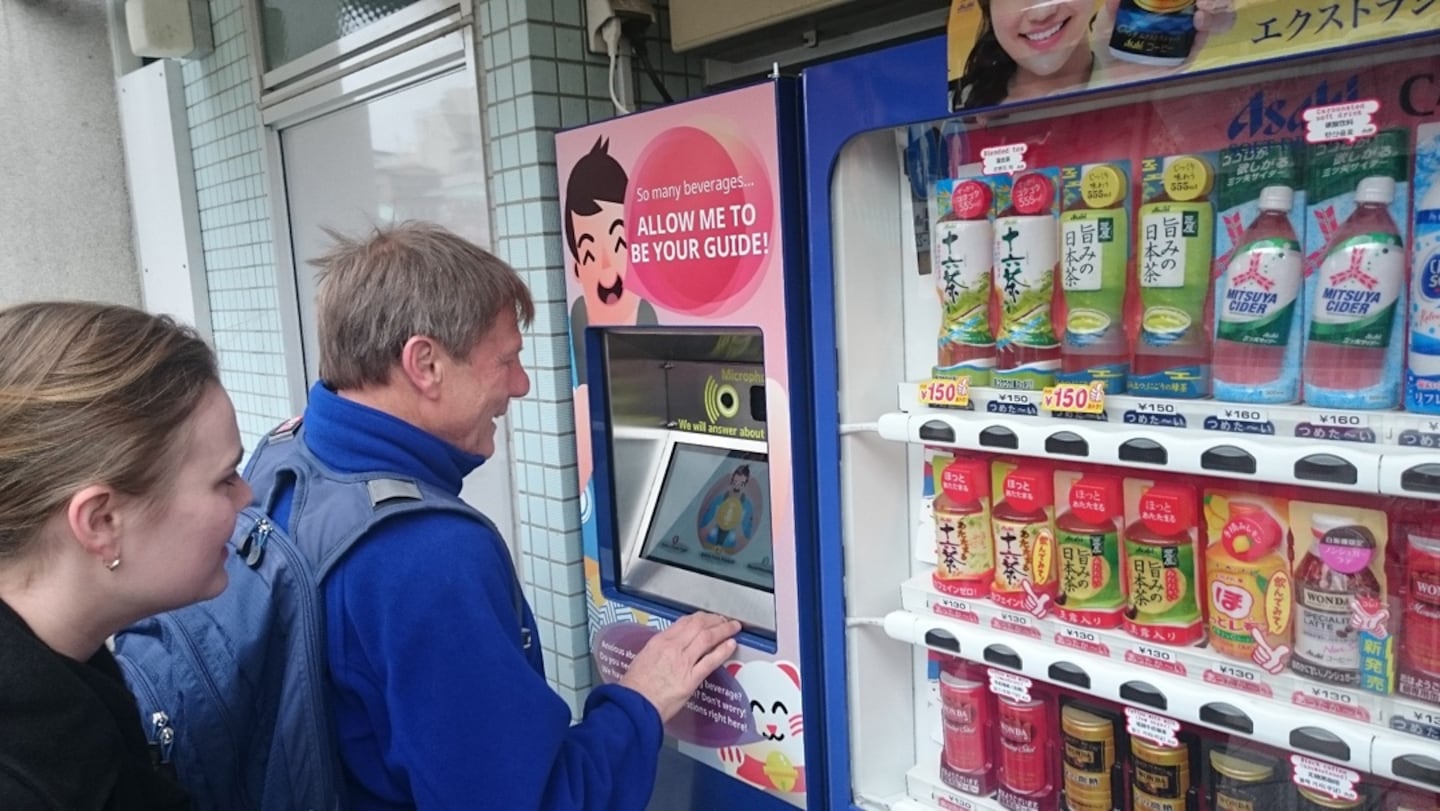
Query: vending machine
[[683, 268], [1123, 327]]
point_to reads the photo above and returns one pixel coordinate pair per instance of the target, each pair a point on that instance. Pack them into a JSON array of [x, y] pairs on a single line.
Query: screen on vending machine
[[710, 515]]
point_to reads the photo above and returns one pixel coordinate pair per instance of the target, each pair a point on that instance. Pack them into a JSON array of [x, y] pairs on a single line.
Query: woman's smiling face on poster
[[1041, 35]]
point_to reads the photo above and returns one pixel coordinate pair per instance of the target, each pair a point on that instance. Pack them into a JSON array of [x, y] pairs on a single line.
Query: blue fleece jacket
[[436, 703]]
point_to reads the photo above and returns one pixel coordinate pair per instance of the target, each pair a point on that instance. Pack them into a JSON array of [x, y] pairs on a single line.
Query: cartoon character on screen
[[777, 760], [728, 520]]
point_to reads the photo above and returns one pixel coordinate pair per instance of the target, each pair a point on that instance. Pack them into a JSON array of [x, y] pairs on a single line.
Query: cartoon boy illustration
[[729, 516], [595, 232]]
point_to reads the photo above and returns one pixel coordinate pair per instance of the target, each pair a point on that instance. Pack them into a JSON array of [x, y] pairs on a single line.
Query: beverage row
[[1300, 294], [1330, 587], [1038, 748]]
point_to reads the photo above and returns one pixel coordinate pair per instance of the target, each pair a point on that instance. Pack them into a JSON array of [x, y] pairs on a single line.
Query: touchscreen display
[[712, 515]]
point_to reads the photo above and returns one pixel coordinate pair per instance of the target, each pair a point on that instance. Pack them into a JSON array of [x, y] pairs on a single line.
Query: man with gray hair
[[437, 685]]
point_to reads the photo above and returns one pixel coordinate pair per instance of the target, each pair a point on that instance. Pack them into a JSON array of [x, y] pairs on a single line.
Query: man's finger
[[714, 659]]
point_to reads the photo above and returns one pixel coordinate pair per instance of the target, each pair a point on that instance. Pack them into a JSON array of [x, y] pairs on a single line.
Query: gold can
[[1241, 784], [1089, 757], [1160, 776], [1313, 801]]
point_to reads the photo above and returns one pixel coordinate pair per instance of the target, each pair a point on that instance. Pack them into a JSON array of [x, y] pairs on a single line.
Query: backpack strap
[[330, 511]]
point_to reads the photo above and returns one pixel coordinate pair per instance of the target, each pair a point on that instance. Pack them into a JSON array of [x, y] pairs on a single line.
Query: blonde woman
[[118, 491]]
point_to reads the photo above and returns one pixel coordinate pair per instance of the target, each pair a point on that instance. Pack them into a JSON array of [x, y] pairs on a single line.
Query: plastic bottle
[[1091, 580], [1332, 575], [1024, 535], [1176, 246], [1161, 570], [1248, 586], [1358, 285], [1255, 310], [1026, 255], [961, 253], [964, 553], [1422, 380], [1154, 32], [1095, 253]]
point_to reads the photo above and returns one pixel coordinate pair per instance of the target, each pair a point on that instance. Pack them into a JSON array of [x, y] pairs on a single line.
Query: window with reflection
[[293, 28]]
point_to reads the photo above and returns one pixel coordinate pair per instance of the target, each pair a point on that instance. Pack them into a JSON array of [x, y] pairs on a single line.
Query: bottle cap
[[966, 481], [1032, 193], [1096, 499], [970, 200], [1276, 198], [1187, 178], [1168, 509], [1028, 489], [1102, 186], [1251, 531], [1375, 190]]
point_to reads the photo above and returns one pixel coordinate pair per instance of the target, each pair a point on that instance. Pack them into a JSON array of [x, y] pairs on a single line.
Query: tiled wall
[[539, 77], [227, 141]]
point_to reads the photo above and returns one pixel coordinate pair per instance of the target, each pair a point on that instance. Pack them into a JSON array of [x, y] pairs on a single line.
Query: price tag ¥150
[[1074, 398], [946, 392]]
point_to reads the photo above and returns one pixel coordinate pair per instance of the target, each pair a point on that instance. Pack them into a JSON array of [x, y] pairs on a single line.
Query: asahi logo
[[1268, 116]]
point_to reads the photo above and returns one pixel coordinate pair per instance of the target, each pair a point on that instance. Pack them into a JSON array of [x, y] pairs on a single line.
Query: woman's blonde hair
[[89, 393]]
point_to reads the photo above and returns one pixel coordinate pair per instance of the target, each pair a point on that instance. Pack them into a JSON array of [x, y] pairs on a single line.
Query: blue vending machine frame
[[841, 100]]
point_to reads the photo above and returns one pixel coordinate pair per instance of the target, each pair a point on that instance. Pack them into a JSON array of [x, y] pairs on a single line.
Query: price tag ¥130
[[946, 392], [1074, 398]]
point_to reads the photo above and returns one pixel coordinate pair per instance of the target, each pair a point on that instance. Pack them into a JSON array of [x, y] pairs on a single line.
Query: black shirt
[[70, 732]]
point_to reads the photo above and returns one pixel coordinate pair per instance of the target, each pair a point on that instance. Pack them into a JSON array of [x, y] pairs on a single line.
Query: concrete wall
[[64, 210]]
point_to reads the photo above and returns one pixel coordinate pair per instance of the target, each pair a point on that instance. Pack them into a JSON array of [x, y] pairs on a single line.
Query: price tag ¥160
[[1074, 398]]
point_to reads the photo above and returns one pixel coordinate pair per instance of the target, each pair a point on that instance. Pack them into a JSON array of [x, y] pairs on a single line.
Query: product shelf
[[1388, 453], [928, 792], [1364, 731]]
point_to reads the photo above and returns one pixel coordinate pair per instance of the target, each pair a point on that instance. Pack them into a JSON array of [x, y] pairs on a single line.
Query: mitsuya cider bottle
[[1027, 252], [961, 253], [1359, 285], [1255, 308]]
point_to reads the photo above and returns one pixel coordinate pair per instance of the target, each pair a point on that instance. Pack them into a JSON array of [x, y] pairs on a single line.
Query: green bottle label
[[1161, 582], [1176, 245], [1090, 569]]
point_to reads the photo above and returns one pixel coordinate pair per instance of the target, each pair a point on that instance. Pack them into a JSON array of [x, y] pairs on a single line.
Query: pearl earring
[[113, 565]]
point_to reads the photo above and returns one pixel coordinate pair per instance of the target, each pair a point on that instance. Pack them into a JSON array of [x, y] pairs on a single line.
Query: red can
[[963, 710], [1422, 605], [1024, 746]]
